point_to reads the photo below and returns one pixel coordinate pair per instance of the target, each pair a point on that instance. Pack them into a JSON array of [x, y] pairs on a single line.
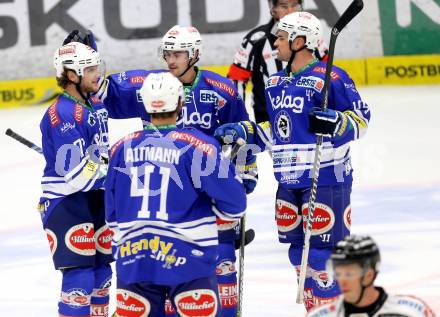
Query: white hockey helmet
[[182, 38], [75, 56], [302, 24], [161, 92]]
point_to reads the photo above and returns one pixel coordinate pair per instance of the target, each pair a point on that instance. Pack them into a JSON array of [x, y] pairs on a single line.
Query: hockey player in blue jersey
[[210, 100], [294, 97], [74, 138], [165, 186]]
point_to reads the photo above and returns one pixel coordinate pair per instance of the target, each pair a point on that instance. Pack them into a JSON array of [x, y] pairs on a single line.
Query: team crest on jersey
[[272, 81], [283, 126], [286, 215], [201, 302], [80, 239], [131, 304], [103, 237], [311, 82], [323, 218], [53, 242], [91, 120]]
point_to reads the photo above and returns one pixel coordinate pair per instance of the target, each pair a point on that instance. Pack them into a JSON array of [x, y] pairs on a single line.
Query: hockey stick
[[240, 142], [241, 265], [23, 140], [353, 10]]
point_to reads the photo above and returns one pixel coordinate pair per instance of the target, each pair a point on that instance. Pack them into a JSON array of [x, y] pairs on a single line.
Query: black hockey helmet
[[358, 249]]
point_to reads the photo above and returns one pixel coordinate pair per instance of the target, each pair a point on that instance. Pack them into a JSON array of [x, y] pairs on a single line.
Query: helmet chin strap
[[189, 66], [363, 287], [292, 56]]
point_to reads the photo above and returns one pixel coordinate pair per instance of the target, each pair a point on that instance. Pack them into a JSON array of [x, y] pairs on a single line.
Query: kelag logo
[[410, 26]]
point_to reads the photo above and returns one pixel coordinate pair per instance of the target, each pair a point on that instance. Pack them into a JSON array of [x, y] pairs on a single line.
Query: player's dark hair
[[62, 81]]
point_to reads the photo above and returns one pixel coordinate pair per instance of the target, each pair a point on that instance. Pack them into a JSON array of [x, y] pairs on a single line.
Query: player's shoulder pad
[[196, 139], [132, 136], [222, 85], [336, 74], [66, 114], [131, 78], [413, 303]]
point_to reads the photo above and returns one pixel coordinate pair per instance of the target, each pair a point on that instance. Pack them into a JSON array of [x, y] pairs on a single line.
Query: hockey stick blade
[[349, 14], [23, 140], [353, 10]]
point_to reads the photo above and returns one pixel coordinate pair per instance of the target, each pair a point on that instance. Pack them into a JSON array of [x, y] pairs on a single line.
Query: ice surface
[[396, 199]]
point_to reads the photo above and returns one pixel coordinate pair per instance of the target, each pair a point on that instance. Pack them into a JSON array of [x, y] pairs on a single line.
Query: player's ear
[[72, 76], [369, 277]]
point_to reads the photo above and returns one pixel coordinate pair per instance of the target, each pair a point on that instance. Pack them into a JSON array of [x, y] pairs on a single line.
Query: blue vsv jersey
[[164, 189], [289, 99], [211, 101], [74, 138]]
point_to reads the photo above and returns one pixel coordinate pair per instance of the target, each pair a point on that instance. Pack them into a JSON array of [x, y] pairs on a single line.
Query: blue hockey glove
[[249, 173], [230, 132], [327, 123], [76, 36]]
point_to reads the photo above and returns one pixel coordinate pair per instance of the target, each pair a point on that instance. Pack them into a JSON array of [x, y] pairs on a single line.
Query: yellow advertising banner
[[388, 70], [27, 92], [403, 70]]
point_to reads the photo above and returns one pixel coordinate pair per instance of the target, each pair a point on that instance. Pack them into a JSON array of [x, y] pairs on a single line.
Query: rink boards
[[390, 70]]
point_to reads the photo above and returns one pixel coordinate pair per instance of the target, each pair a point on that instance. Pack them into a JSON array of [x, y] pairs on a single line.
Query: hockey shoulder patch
[[222, 86], [53, 115], [131, 304], [128, 137], [193, 141], [319, 69], [199, 302], [78, 113]]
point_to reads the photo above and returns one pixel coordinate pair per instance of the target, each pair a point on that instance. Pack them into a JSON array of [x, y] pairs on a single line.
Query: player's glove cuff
[[329, 123], [230, 132]]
